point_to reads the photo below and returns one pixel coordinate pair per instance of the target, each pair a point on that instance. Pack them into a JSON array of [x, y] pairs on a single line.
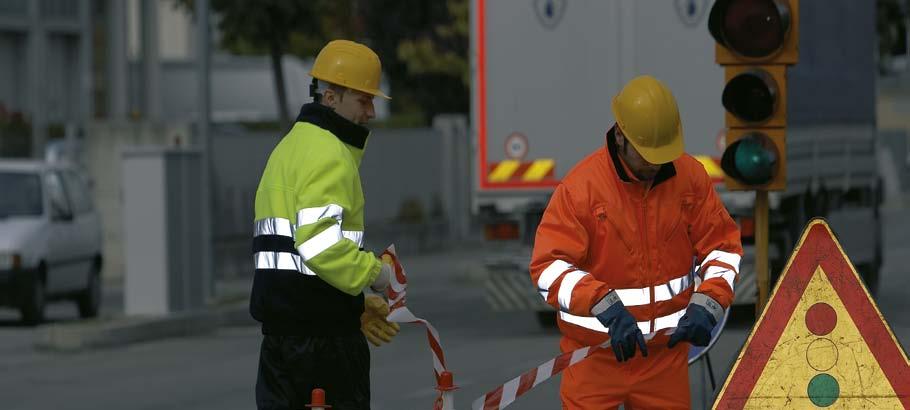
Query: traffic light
[[756, 41]]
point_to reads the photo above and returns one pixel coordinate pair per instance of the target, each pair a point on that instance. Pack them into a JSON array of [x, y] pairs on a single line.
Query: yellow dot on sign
[[822, 354], [387, 259]]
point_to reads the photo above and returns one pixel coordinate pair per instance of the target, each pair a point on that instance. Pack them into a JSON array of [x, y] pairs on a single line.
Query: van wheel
[[89, 300], [32, 308], [546, 318]]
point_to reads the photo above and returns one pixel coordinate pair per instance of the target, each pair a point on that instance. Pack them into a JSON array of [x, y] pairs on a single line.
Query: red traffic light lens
[[751, 96], [751, 160], [750, 28]]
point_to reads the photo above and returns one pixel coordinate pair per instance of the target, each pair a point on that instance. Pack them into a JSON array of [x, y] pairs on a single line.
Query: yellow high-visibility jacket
[[308, 234]]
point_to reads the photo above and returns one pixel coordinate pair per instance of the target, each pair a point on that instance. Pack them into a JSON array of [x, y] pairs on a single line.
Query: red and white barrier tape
[[505, 394], [399, 313]]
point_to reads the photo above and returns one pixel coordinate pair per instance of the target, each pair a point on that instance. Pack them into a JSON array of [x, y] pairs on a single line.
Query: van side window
[[56, 194], [78, 192]]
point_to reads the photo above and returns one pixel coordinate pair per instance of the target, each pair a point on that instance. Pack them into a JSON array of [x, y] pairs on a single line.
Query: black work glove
[[696, 325], [624, 331]]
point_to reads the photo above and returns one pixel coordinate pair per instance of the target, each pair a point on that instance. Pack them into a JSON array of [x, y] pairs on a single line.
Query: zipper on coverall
[[648, 279]]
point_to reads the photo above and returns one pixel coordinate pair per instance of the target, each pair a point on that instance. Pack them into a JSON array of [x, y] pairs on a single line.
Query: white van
[[50, 239]]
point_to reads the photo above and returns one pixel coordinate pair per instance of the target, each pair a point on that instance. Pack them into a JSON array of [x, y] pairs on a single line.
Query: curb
[[236, 314], [122, 331]]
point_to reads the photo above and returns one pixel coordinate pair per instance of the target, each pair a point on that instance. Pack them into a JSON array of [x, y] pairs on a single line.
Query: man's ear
[[618, 139], [329, 98]]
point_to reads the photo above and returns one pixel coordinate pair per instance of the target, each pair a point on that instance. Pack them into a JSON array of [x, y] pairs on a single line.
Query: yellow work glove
[[372, 322]]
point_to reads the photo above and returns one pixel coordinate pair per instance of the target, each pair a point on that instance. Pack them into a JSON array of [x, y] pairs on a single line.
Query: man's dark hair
[[318, 87]]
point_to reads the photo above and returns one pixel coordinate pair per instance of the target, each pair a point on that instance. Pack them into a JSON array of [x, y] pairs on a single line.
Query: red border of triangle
[[817, 247]]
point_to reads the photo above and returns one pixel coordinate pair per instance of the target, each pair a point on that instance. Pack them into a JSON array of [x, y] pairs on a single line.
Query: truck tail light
[[746, 227], [501, 231]]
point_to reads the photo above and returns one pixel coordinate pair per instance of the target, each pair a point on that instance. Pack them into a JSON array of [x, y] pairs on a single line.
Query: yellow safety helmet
[[349, 64], [646, 112]]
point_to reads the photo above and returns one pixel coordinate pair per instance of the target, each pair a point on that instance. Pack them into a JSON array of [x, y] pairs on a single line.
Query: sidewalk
[[228, 307]]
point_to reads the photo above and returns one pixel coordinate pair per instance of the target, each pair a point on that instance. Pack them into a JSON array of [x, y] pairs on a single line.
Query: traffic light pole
[[756, 42], [761, 250]]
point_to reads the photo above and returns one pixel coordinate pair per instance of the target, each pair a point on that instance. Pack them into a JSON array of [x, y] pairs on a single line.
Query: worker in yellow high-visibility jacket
[[311, 268]]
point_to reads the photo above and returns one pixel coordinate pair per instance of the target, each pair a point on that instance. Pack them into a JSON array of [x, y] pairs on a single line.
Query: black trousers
[[290, 367]]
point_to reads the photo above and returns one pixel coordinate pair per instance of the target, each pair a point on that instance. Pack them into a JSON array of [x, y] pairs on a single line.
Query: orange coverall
[[604, 230]]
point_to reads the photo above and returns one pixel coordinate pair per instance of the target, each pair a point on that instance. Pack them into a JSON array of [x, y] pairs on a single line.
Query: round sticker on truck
[[516, 146]]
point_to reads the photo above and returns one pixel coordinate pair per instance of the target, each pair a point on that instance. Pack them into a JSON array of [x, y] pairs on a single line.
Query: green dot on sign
[[823, 390]]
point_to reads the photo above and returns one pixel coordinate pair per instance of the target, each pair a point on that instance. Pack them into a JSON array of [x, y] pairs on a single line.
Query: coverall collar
[[665, 172], [324, 117]]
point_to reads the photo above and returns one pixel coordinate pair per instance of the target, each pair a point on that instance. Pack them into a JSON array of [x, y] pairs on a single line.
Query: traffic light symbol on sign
[[822, 354], [756, 40]]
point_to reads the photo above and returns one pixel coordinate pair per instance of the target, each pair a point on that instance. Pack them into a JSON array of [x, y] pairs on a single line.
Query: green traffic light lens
[[751, 160], [754, 162]]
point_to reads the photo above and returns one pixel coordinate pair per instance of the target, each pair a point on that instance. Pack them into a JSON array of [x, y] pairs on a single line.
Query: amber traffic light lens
[[751, 96]]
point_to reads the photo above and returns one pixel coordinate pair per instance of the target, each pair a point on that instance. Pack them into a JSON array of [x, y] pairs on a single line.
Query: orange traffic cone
[[317, 400], [446, 387]]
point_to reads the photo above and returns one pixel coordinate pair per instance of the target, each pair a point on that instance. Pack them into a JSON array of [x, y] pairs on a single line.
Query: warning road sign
[[821, 341]]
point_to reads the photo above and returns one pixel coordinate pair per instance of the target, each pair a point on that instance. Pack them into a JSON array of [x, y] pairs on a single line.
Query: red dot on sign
[[821, 319]]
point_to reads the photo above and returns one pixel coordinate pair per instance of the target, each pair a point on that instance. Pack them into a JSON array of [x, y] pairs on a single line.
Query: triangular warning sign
[[820, 342]]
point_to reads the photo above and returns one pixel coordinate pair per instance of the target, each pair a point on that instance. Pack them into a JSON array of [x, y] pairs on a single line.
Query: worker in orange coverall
[[614, 251]]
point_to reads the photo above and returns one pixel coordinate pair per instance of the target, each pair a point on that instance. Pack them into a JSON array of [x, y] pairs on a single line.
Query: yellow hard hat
[[646, 112], [349, 64]]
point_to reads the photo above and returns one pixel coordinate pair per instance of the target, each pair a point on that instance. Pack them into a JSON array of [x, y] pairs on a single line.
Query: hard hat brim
[[379, 93], [373, 92], [660, 155]]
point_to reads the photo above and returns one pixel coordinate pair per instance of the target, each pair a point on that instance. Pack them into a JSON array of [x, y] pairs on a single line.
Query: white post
[[448, 400], [446, 386]]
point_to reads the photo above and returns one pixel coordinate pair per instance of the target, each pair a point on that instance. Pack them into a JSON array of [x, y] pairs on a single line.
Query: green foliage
[[443, 53], [423, 44], [259, 27], [424, 51], [277, 27]]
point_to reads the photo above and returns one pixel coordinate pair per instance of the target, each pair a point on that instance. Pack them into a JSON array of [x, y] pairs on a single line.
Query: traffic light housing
[[755, 42]]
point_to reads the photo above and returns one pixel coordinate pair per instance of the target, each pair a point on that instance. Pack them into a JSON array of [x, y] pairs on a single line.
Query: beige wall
[[893, 109], [104, 143]]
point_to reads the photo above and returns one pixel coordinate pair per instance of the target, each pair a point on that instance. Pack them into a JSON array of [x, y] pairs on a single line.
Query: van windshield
[[21, 194]]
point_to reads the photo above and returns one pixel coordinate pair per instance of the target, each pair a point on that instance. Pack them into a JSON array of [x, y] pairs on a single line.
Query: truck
[[544, 73]]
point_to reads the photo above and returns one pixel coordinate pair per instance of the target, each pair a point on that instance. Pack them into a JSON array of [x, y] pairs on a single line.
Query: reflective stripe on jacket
[[603, 231], [308, 230]]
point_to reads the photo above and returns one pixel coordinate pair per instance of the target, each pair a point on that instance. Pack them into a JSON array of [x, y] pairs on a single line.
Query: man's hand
[[373, 323], [624, 331], [696, 325]]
